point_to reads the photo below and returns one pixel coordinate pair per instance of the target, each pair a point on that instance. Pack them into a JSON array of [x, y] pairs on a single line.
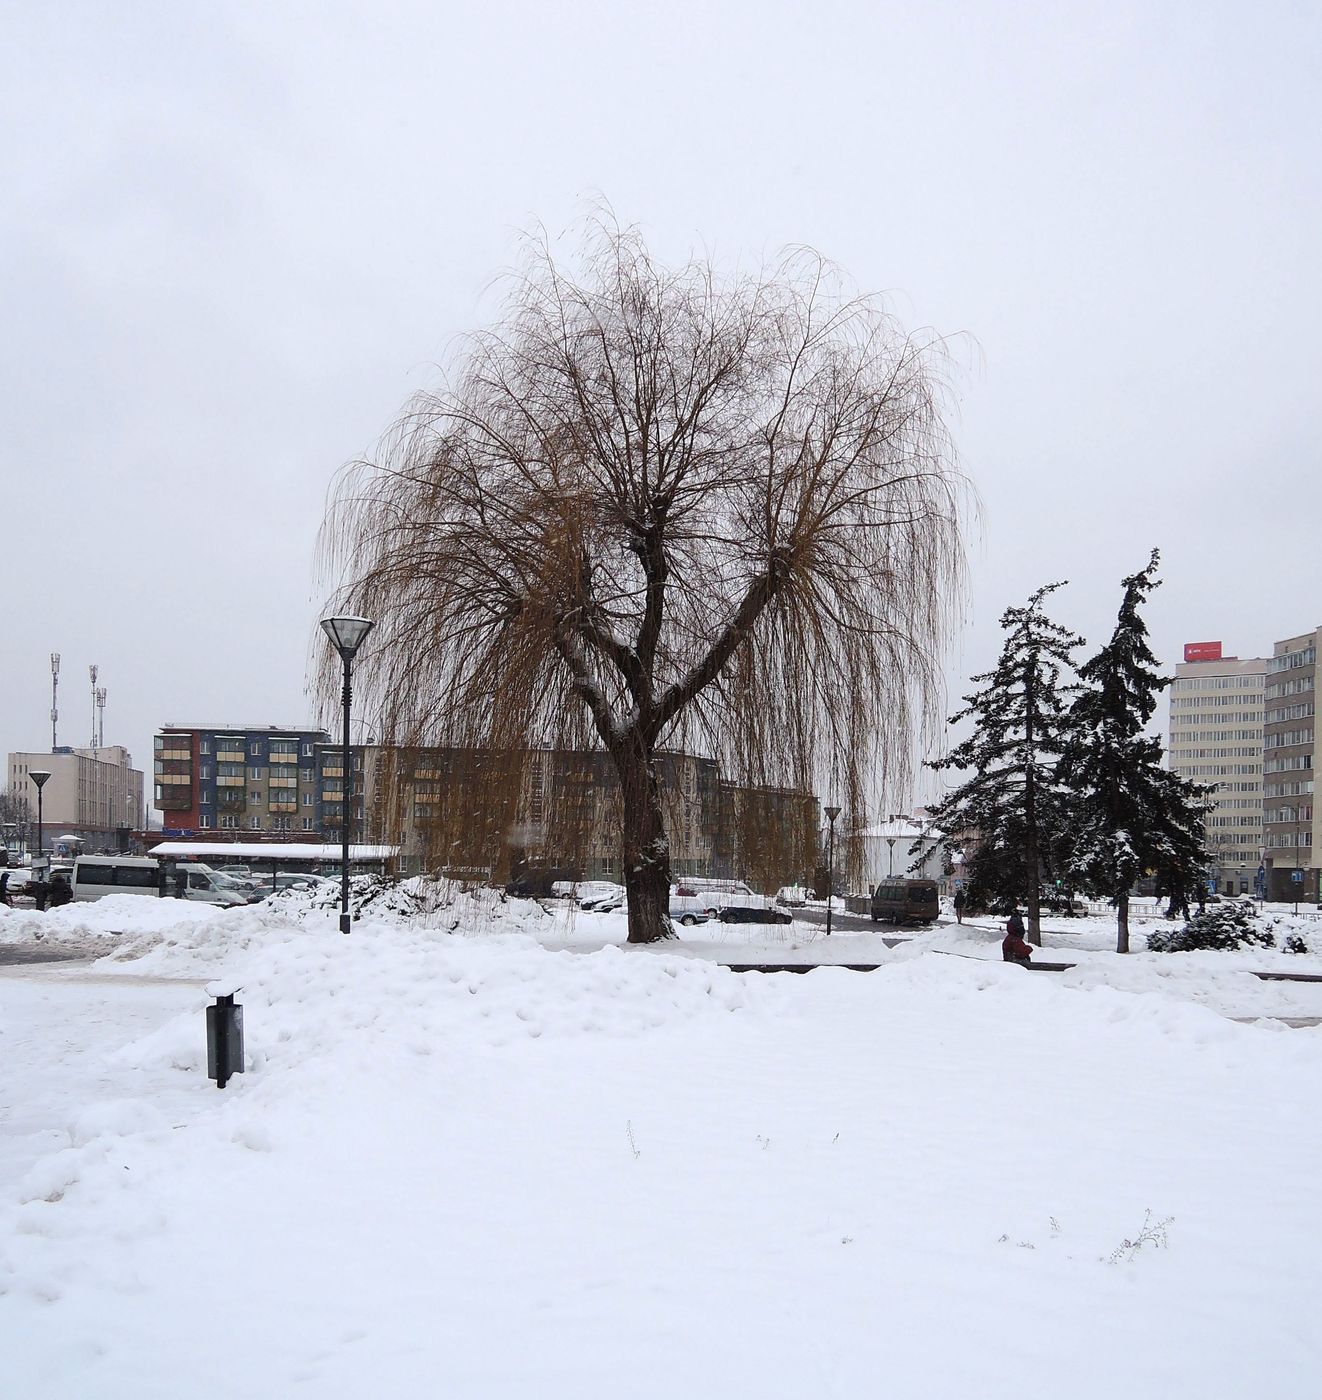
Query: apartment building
[[1215, 737], [284, 781], [496, 816], [92, 794], [1288, 731]]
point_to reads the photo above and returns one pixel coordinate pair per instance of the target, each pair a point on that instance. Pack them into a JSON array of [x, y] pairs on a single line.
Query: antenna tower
[[54, 691], [91, 671], [101, 716]]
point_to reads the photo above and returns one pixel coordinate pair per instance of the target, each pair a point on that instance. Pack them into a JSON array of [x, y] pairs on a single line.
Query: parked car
[[688, 909], [592, 893], [792, 896], [753, 914]]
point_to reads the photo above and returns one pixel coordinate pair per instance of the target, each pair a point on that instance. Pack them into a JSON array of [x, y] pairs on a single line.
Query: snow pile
[[94, 927]]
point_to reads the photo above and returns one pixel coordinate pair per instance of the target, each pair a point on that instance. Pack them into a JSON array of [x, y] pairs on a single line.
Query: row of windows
[[1298, 788], [1292, 660], [1181, 754], [1180, 735], [1287, 838], [1288, 765], [1288, 738], [1188, 683], [1284, 712], [1292, 687], [280, 795], [1213, 770]]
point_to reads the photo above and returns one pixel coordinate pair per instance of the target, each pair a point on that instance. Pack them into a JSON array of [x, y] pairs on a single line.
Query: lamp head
[[39, 777], [832, 813], [346, 633]]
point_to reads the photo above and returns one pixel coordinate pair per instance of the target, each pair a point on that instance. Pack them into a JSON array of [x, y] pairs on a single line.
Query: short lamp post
[[39, 777], [347, 635], [831, 814]]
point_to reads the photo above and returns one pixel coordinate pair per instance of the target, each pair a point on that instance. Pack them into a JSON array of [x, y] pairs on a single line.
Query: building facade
[[557, 811], [284, 782], [93, 795], [1215, 738], [1290, 837]]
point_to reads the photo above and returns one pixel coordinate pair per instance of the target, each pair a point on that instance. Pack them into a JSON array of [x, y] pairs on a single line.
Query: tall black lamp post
[[346, 634], [39, 777], [831, 814]]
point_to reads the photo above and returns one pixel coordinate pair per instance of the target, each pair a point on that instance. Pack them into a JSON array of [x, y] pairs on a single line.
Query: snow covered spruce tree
[[1011, 804], [658, 508], [1130, 813]]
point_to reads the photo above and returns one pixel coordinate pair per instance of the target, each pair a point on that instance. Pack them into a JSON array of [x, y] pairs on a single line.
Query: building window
[[254, 823], [307, 824], [255, 748], [307, 799], [307, 750], [205, 771], [206, 820], [229, 823]]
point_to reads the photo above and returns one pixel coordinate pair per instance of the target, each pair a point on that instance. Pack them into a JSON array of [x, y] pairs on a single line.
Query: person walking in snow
[[959, 906], [5, 896], [1015, 947]]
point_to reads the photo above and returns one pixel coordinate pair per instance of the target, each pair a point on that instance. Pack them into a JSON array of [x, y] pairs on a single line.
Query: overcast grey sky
[[236, 237]]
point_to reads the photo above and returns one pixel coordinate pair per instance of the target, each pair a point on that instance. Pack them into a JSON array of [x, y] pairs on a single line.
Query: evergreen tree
[[1011, 802], [1131, 813]]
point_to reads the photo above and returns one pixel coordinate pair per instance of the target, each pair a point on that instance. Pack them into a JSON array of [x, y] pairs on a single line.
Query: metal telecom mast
[[101, 721], [54, 690], [91, 671]]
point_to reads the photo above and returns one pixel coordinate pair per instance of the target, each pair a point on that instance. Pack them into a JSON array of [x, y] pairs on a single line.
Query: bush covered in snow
[[1220, 927]]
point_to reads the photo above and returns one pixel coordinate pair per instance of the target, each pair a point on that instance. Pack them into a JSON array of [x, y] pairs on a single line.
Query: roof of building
[[272, 850], [244, 728]]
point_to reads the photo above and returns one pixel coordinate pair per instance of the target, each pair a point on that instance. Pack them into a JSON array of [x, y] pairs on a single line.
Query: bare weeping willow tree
[[659, 509]]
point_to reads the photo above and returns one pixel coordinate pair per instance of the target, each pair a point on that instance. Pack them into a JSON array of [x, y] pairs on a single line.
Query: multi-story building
[[558, 810], [1287, 800], [94, 795], [1215, 737], [279, 780]]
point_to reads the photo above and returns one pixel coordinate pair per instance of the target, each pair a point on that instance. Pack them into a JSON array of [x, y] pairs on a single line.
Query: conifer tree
[[1011, 802], [1131, 814]]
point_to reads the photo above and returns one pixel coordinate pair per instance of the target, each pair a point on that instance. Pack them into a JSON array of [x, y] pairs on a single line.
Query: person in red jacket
[[1015, 947]]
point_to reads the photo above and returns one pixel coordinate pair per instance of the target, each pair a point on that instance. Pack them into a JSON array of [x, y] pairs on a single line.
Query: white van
[[94, 876]]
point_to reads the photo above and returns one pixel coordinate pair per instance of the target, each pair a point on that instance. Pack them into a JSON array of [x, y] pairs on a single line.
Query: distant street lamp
[[890, 841], [39, 777], [831, 813], [346, 635]]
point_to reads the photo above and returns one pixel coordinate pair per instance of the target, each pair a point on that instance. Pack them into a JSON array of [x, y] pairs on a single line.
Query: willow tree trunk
[[646, 848]]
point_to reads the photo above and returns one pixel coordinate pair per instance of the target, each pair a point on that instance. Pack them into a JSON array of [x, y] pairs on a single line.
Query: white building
[[1215, 737], [91, 794], [897, 845]]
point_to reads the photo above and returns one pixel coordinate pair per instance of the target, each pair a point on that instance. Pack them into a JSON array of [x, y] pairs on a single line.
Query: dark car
[[744, 914]]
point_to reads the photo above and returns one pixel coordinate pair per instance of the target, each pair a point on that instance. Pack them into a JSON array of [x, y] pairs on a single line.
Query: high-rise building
[[1215, 737], [1287, 800]]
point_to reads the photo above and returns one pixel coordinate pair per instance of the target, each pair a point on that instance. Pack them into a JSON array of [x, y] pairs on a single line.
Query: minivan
[[94, 876], [905, 901]]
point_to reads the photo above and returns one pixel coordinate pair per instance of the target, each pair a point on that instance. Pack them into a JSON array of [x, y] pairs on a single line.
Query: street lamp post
[[346, 635], [831, 813], [39, 777], [890, 841]]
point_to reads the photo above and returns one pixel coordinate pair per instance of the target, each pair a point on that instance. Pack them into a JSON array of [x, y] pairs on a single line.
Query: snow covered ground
[[490, 1153]]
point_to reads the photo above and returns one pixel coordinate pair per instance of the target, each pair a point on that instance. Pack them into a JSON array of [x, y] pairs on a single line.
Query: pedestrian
[[5, 896], [40, 891], [61, 891], [959, 906], [1015, 947]]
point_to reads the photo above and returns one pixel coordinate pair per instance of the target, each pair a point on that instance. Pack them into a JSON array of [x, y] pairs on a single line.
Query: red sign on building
[[1202, 651]]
